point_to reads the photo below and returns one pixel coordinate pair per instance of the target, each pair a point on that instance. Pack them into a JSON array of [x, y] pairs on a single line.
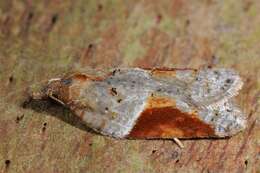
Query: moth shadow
[[54, 109]]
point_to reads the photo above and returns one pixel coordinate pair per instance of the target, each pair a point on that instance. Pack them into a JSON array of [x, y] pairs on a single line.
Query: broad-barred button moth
[[153, 103]]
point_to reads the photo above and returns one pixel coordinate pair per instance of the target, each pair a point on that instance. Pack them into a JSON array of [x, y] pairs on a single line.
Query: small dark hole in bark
[[44, 124], [177, 161], [90, 46], [100, 7], [30, 15], [54, 18], [11, 79], [187, 22], [90, 144], [19, 118], [154, 151], [7, 163], [106, 108], [119, 100], [246, 162]]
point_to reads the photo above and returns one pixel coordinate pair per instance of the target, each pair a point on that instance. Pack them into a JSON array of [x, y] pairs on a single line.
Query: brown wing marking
[[164, 120]]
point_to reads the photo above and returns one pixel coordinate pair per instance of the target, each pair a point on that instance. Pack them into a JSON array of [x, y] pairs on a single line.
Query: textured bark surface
[[45, 39]]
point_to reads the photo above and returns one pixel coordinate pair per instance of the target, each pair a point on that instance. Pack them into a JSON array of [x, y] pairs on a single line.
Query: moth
[[140, 103]]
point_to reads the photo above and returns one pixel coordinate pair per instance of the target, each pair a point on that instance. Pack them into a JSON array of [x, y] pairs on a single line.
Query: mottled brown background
[[44, 39]]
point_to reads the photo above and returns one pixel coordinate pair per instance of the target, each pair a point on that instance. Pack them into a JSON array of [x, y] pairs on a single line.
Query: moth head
[[54, 88], [65, 89]]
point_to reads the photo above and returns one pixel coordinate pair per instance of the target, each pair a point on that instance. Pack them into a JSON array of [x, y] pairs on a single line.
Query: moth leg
[[178, 142]]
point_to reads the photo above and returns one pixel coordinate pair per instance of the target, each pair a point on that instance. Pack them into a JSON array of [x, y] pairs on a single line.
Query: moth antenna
[[178, 142], [31, 94], [54, 79]]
